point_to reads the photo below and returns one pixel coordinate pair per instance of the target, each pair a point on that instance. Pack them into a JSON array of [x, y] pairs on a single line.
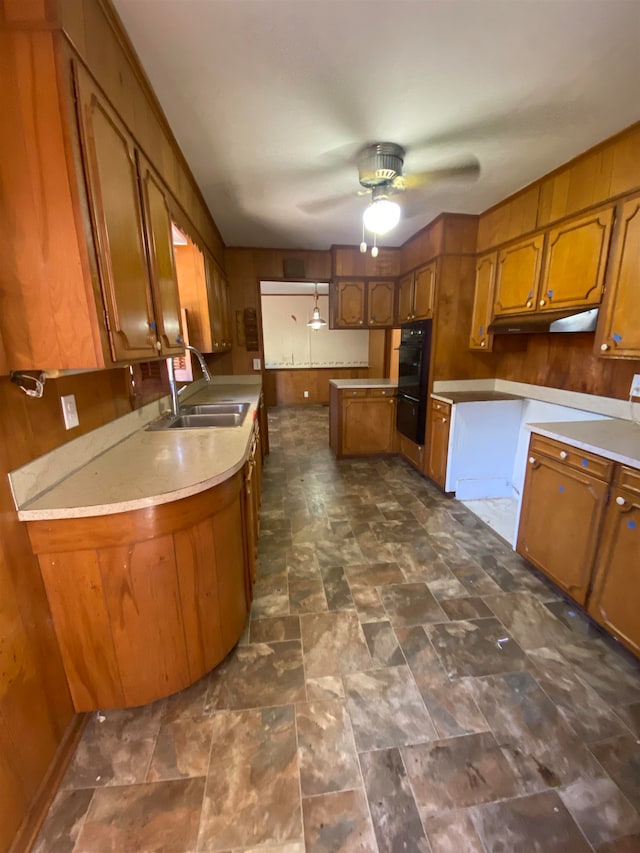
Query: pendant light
[[316, 322]]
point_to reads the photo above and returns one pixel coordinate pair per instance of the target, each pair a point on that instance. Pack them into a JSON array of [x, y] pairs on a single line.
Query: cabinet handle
[[483, 343], [528, 303], [444, 420], [620, 500], [532, 460], [158, 345], [604, 347], [542, 303], [563, 454]]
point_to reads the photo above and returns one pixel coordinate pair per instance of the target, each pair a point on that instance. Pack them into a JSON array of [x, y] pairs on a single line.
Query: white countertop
[[614, 439], [153, 467], [364, 383], [456, 397]]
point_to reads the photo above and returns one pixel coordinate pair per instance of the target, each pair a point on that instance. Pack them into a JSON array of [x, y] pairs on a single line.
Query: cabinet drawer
[[354, 392], [573, 457], [382, 392], [628, 478], [439, 406]]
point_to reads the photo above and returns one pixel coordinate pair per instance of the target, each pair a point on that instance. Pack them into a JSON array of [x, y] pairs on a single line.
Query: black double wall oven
[[413, 377]]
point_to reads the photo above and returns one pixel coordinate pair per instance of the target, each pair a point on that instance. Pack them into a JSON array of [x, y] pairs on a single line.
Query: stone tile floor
[[405, 683]]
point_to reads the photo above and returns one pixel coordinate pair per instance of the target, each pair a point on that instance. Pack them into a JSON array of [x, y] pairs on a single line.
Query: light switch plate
[[635, 386], [69, 411]]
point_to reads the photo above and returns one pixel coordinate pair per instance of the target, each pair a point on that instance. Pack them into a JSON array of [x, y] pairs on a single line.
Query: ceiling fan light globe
[[381, 216]]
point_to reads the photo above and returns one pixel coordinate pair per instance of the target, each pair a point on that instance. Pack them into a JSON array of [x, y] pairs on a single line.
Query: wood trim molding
[[31, 825]]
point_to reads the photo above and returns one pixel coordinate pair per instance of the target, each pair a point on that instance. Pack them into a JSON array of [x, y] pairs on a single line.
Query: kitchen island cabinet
[[362, 417]]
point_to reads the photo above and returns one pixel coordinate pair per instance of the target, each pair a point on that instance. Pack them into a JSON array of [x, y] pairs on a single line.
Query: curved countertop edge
[[59, 502], [613, 439]]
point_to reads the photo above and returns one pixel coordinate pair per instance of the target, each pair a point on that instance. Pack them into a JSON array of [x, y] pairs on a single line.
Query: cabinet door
[[562, 510], [405, 298], [616, 589], [115, 207], [380, 297], [226, 314], [164, 282], [424, 289], [351, 307], [215, 300], [440, 418], [619, 325], [518, 276], [367, 425], [479, 338], [250, 525], [575, 262]]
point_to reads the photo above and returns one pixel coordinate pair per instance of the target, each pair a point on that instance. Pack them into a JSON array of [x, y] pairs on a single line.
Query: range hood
[[547, 321]]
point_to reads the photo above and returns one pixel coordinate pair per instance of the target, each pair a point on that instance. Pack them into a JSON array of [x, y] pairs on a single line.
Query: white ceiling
[[270, 99]]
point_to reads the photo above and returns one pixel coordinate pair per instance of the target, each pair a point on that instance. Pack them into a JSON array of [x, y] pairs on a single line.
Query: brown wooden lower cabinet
[[616, 585], [438, 432], [562, 510], [580, 525], [362, 421], [145, 602], [412, 452]]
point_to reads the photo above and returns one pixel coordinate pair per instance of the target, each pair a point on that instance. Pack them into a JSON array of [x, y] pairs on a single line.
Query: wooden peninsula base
[[146, 602]]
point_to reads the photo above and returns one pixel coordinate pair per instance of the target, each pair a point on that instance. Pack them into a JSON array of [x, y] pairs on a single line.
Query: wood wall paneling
[[451, 357], [287, 387], [349, 261]]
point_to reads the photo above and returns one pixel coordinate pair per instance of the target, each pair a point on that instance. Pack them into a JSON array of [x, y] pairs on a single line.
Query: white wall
[[289, 342]]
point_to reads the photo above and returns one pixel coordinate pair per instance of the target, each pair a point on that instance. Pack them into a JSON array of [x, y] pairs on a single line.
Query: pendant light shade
[[381, 216], [316, 322]]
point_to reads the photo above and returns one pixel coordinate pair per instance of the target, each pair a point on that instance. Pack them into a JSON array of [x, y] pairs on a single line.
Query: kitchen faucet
[[175, 393]]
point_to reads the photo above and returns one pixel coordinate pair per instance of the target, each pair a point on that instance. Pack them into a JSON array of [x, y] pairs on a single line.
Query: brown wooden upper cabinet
[[132, 228], [416, 294], [618, 332], [479, 337], [575, 261], [518, 276], [361, 304], [218, 336]]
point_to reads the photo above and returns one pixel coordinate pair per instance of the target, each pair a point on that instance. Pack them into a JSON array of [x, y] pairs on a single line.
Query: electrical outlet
[[635, 386], [256, 364], [305, 393], [69, 411]]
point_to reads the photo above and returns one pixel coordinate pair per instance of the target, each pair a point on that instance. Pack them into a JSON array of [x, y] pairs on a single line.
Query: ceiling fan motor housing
[[380, 163]]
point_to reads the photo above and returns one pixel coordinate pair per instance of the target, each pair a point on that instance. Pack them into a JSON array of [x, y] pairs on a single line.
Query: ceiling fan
[[380, 172]]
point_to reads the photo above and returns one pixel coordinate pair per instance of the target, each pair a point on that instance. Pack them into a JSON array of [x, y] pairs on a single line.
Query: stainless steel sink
[[216, 409], [204, 415]]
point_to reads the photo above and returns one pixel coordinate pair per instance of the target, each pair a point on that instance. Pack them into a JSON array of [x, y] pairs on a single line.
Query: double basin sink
[[204, 415]]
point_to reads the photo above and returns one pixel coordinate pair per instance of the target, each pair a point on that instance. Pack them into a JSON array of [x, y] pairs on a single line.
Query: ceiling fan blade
[[470, 169], [321, 205]]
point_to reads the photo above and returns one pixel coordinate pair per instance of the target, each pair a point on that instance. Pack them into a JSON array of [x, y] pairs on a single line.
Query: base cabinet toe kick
[[146, 602]]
